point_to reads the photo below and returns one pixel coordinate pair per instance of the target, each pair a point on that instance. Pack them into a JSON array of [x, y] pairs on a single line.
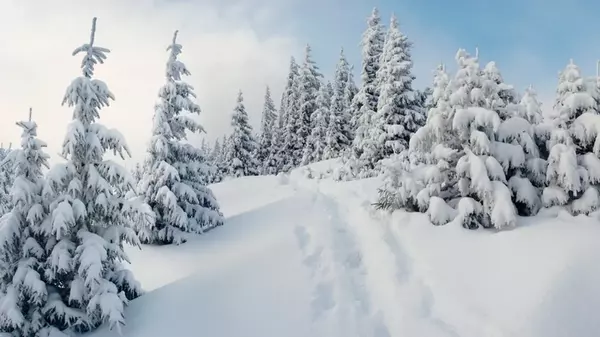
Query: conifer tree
[[175, 183], [317, 140], [309, 83], [572, 175], [366, 99], [22, 240], [269, 116], [433, 149], [6, 181], [281, 158], [87, 285], [399, 111], [242, 143], [468, 159], [216, 161], [339, 132]]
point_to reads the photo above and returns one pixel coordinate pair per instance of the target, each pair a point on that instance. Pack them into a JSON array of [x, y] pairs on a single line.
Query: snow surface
[[301, 257]]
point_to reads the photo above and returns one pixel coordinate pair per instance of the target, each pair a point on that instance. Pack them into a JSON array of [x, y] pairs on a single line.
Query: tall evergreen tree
[[399, 111], [88, 225], [309, 83], [280, 158], [339, 132], [216, 162], [6, 181], [23, 240], [269, 116], [175, 184], [572, 176], [242, 143], [366, 100], [317, 141]]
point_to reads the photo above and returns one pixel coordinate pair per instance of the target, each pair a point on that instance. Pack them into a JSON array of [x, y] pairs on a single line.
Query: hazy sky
[[246, 44]]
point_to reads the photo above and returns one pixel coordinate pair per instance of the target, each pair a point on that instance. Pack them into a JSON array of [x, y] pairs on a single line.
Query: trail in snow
[[340, 300], [395, 301], [300, 257]]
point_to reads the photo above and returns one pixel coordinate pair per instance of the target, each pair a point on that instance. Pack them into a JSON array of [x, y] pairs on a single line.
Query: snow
[[311, 257]]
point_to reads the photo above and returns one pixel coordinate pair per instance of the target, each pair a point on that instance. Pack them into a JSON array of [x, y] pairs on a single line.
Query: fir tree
[[317, 141], [309, 83], [366, 100], [216, 161], [268, 121], [23, 240], [6, 181], [87, 285], [572, 175], [242, 144], [433, 150], [175, 183], [339, 132], [399, 111], [281, 158], [137, 172], [468, 159]]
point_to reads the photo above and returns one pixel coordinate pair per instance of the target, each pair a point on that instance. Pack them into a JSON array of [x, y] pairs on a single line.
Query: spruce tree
[[23, 240], [242, 143], [175, 183], [572, 175], [6, 181], [87, 285], [281, 158], [216, 161], [309, 84], [269, 116], [399, 111], [365, 102], [317, 141], [339, 132], [515, 147], [433, 149]]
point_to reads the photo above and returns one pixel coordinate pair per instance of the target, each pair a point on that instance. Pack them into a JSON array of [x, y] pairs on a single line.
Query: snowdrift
[[310, 257]]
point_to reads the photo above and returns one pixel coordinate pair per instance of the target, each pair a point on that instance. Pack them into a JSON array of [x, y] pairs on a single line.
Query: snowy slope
[[300, 257]]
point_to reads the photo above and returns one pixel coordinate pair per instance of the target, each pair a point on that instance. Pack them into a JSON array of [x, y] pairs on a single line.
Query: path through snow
[[300, 257]]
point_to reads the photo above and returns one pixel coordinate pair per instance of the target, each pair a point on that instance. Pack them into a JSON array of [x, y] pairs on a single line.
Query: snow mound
[[310, 257]]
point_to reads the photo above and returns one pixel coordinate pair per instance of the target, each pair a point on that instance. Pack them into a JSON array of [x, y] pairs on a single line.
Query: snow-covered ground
[[301, 257]]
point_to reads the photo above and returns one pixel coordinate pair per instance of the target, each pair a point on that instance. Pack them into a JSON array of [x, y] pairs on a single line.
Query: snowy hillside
[[300, 257]]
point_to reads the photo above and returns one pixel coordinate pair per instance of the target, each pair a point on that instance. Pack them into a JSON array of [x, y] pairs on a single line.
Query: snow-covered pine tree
[[399, 110], [23, 240], [267, 125], [274, 162], [515, 146], [365, 101], [281, 158], [174, 185], [573, 166], [350, 103], [242, 143], [483, 198], [87, 285], [6, 181], [317, 141], [499, 96], [204, 148], [429, 168], [309, 83], [137, 172], [216, 161], [339, 130]]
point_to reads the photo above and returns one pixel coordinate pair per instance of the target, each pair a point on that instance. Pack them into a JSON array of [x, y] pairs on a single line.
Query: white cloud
[[221, 47]]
